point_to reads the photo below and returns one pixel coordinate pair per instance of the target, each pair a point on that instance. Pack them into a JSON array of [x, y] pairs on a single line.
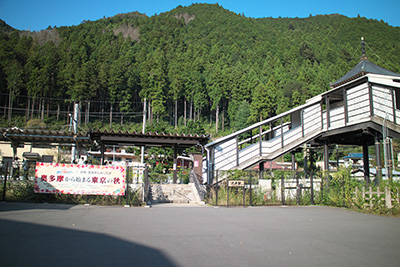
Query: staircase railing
[[195, 178]]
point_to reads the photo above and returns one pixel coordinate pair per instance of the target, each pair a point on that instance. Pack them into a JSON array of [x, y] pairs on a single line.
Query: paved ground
[[65, 235]]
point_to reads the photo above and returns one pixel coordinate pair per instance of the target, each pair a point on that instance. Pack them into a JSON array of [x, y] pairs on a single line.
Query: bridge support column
[[326, 157], [366, 163], [378, 160], [293, 161], [326, 163]]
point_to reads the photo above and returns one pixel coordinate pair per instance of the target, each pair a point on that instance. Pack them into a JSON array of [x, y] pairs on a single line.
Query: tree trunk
[[176, 114], [42, 113], [223, 119], [9, 107], [68, 116], [184, 108], [191, 110], [216, 119], [27, 111], [33, 107], [111, 108]]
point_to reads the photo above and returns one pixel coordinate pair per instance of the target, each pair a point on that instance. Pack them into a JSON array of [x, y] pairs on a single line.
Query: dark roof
[[18, 135], [107, 137], [149, 138], [363, 67]]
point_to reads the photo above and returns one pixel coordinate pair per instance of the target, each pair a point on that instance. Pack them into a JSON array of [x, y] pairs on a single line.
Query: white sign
[[236, 183], [79, 179]]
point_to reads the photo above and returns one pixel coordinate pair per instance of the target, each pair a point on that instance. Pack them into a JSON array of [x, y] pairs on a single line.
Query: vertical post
[[102, 153], [293, 161], [244, 195], [312, 188], [389, 159], [326, 157], [328, 115], [305, 160], [282, 132], [283, 189], [5, 180], [250, 189], [174, 177], [75, 130], [346, 112], [237, 150], [298, 189], [388, 197], [393, 106], [261, 170], [227, 193], [143, 127], [216, 189], [302, 122], [260, 141], [326, 163], [378, 160], [366, 163]]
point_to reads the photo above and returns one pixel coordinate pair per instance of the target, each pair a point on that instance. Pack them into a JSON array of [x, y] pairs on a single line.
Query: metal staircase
[[354, 114]]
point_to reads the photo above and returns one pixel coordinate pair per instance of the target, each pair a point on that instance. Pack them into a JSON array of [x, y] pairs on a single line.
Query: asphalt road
[[67, 235]]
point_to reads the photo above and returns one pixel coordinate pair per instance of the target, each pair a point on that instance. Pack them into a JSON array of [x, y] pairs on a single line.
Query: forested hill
[[201, 63]]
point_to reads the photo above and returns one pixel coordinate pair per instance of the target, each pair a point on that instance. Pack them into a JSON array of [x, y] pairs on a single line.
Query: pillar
[[326, 157], [293, 161], [175, 172], [366, 163], [326, 162], [102, 153], [261, 170], [378, 160]]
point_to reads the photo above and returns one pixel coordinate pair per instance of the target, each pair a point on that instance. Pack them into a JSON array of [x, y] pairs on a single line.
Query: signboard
[[79, 179], [236, 183], [138, 173]]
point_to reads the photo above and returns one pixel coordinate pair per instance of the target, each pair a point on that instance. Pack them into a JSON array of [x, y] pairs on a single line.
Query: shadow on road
[[25, 244], [14, 206]]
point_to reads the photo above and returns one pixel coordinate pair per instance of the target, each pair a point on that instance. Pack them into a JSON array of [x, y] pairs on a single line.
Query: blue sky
[[36, 15]]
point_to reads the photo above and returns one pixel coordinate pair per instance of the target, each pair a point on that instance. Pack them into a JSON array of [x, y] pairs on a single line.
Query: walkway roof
[[17, 135]]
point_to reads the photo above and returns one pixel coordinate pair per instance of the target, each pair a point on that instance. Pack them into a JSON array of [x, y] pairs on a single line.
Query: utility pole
[[144, 126]]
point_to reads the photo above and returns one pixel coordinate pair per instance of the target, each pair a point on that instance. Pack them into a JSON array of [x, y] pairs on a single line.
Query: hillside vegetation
[[200, 63]]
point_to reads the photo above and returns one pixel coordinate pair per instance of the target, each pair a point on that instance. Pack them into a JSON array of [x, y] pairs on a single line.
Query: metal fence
[[275, 188], [21, 188]]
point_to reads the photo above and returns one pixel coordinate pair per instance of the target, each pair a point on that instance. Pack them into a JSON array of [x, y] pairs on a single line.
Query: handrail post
[[260, 135], [237, 150]]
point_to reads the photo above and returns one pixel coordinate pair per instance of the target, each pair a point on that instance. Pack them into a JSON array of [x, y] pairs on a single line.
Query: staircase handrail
[[311, 102], [195, 178]]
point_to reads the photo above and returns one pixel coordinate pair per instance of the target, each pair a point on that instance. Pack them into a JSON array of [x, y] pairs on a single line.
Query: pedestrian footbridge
[[362, 108]]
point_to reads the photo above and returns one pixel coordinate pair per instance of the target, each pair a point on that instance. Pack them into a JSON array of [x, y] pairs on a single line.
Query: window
[[397, 98]]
